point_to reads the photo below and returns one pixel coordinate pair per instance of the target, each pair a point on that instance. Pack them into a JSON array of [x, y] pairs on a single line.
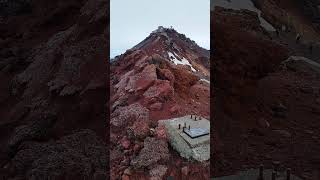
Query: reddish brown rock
[[175, 109], [128, 115], [185, 170], [141, 129], [136, 148], [161, 132], [161, 91], [125, 177], [156, 106], [166, 74], [125, 143]]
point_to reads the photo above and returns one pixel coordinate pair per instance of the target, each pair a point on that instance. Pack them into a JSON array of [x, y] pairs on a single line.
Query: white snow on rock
[[176, 61], [243, 4], [204, 80]]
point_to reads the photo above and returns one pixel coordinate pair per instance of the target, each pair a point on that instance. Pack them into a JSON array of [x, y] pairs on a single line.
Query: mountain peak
[[174, 47], [162, 29], [164, 40]]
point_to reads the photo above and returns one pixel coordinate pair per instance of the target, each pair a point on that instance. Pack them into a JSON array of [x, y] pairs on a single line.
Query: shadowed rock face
[[15, 7], [79, 155], [260, 100], [52, 84]]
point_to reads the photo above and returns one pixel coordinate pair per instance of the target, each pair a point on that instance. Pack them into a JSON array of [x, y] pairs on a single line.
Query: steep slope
[[164, 76], [176, 47]]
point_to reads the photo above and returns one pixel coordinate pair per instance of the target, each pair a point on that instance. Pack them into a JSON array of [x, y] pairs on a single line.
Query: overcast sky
[[131, 21]]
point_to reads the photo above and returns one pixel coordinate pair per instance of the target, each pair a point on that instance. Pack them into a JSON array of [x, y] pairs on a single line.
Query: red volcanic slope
[[148, 85]]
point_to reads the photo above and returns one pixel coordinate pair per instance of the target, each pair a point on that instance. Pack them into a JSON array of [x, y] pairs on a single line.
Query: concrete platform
[[192, 139]]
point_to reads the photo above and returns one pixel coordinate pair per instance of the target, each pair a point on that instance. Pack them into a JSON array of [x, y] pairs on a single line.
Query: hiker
[[298, 37]]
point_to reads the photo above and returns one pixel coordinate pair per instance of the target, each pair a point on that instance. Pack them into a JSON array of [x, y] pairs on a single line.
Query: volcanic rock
[[36, 129], [141, 129], [125, 143], [128, 115], [161, 132], [174, 109], [154, 151], [156, 106], [185, 170], [158, 172], [79, 154], [161, 91]]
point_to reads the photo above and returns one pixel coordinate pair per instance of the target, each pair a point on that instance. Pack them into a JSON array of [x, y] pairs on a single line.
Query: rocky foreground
[[266, 103], [53, 60]]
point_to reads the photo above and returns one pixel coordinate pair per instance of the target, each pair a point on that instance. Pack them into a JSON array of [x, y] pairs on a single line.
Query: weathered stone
[[161, 91], [161, 132], [76, 155], [175, 109], [125, 177], [185, 170], [129, 114], [141, 129], [158, 172], [154, 150], [38, 128], [128, 171], [125, 143], [156, 106], [283, 133]]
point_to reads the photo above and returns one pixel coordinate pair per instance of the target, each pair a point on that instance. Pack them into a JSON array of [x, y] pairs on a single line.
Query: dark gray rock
[[154, 151], [77, 156]]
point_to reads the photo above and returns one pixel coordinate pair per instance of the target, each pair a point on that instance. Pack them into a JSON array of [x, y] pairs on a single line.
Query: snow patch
[[204, 80], [183, 61]]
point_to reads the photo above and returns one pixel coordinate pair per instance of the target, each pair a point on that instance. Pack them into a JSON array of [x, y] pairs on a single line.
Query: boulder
[[161, 132], [154, 151], [166, 74], [126, 116], [158, 172], [139, 82], [125, 143], [141, 129], [185, 170], [156, 106], [161, 91]]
